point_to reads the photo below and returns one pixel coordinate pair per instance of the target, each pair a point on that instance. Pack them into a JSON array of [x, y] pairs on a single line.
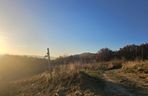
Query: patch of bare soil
[[126, 84]]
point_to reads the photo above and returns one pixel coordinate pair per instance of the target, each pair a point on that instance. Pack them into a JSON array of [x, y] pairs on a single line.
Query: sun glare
[[2, 45]]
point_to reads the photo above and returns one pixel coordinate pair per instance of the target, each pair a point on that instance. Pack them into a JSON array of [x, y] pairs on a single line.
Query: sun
[[2, 51], [2, 45]]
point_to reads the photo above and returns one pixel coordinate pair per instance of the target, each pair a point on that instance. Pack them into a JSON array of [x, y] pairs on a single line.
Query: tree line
[[128, 52]]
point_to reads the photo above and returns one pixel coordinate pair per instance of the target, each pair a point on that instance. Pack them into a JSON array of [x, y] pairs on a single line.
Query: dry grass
[[63, 80], [81, 80], [135, 66]]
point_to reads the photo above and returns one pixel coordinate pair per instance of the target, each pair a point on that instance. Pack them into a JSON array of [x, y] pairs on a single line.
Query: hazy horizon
[[28, 27]]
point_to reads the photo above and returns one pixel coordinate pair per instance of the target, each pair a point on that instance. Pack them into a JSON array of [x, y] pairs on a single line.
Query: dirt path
[[114, 89]]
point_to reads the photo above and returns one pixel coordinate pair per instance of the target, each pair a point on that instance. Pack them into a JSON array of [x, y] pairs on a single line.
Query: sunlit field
[[84, 80], [17, 67]]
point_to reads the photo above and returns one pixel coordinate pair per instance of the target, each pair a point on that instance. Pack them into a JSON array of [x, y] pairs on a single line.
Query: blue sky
[[71, 26]]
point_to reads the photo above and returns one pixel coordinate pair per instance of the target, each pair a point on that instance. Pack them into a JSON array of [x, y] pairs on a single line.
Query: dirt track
[[112, 88], [123, 85]]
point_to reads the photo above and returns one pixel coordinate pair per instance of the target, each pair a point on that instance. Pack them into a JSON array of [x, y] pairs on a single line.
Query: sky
[[28, 27]]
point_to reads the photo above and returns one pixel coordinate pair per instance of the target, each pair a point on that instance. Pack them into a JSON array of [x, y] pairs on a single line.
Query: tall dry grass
[[136, 66]]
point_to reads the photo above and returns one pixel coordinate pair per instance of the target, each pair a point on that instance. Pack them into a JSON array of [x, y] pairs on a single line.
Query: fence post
[[48, 56]]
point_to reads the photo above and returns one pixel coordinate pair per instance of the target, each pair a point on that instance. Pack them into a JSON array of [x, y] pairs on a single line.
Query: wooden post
[[49, 63], [48, 56], [50, 67]]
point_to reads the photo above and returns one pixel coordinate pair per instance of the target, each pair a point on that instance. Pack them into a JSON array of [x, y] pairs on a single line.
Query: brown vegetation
[[86, 80]]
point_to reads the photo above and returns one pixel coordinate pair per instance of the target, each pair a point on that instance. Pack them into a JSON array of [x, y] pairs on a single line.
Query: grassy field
[[103, 79]]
